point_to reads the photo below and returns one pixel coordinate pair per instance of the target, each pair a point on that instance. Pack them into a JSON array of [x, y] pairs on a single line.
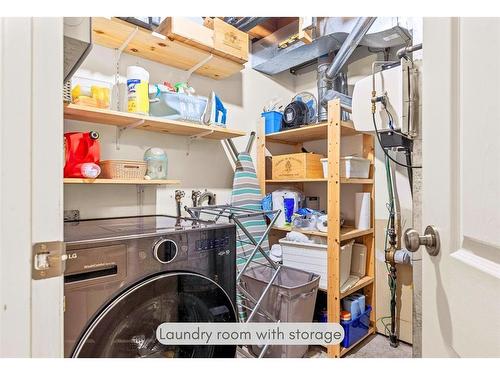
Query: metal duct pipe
[[324, 86], [403, 52], [359, 30]]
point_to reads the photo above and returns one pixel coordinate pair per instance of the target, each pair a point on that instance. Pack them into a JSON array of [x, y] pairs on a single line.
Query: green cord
[[391, 280]]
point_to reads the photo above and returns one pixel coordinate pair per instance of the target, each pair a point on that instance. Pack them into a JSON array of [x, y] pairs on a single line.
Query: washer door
[[126, 326]]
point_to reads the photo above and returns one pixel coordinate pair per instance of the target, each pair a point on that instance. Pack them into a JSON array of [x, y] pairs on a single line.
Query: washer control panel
[[208, 243]]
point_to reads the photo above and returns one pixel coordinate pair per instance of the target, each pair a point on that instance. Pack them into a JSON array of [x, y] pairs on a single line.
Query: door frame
[[31, 188]]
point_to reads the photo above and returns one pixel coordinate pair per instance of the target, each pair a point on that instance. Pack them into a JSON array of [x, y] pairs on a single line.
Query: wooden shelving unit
[[148, 123], [331, 132], [109, 181], [114, 33]]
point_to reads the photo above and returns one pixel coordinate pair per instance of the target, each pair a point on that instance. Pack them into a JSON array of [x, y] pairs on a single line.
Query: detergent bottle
[[82, 153]]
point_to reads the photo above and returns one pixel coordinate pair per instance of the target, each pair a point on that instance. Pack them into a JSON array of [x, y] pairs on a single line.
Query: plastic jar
[[157, 163]]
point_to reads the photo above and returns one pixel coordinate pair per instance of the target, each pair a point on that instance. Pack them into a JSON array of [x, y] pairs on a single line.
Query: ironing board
[[247, 194]]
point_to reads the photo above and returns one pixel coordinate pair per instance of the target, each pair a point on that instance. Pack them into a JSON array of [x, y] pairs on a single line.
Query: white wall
[[198, 164]]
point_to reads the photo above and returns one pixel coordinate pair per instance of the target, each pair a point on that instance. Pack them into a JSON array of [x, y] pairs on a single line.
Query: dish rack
[[178, 106]]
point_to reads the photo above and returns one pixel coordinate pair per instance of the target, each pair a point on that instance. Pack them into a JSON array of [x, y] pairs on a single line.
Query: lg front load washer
[[126, 276]]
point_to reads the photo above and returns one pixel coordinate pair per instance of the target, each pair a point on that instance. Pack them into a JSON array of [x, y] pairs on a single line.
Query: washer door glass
[[126, 326]]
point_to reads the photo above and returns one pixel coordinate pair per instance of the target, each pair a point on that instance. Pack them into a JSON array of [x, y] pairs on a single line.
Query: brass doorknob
[[430, 239]]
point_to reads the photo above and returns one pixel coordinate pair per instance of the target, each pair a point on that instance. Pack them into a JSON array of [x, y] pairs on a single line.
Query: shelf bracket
[[118, 55], [197, 66], [201, 135], [128, 40], [195, 137], [121, 129]]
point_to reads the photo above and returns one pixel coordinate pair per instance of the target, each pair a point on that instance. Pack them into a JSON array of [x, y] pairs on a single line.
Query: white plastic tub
[[350, 167], [312, 257], [354, 167]]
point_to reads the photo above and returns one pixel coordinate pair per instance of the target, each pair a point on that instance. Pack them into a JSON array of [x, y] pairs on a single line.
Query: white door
[[31, 191], [461, 187]]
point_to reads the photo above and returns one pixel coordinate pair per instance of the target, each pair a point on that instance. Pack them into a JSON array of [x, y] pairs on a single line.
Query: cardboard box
[[297, 166]]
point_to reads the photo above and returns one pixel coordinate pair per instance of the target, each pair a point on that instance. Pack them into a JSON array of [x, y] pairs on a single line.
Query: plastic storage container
[[272, 121], [355, 329], [350, 167], [91, 92], [157, 161], [354, 167], [355, 304], [291, 298], [312, 257], [177, 106]]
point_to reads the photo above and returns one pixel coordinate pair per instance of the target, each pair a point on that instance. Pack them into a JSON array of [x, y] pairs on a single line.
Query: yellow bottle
[[138, 90]]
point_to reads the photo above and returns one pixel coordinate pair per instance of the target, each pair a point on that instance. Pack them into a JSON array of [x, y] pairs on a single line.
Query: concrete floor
[[375, 346]]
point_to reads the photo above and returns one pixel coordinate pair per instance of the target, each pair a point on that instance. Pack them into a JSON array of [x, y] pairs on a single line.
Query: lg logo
[[72, 256]]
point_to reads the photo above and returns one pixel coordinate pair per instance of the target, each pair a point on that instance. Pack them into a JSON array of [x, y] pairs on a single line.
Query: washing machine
[[126, 276]]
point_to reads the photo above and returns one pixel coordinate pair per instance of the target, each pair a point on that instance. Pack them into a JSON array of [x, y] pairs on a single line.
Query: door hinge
[[49, 259]]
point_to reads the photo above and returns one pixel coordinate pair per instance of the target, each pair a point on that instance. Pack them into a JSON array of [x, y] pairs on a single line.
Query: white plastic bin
[[350, 167], [91, 92], [312, 257], [354, 167]]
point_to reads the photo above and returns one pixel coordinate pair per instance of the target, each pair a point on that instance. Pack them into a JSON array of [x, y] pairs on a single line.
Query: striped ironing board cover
[[247, 194]]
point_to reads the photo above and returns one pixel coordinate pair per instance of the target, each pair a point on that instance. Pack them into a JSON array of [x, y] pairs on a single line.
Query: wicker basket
[[123, 169]]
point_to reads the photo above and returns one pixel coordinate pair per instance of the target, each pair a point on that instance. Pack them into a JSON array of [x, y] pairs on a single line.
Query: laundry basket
[[291, 298]]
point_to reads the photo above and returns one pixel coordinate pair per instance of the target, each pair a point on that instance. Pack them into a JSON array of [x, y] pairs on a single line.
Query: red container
[[80, 148]]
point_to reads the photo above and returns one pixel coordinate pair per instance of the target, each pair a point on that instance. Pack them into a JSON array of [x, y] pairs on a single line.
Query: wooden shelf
[[113, 33], [346, 233], [309, 232], [149, 123], [364, 281], [100, 181], [362, 181], [344, 351], [309, 133], [349, 233], [296, 181]]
